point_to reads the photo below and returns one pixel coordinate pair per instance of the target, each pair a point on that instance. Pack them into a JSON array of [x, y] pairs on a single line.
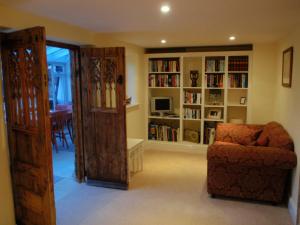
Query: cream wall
[[287, 107], [263, 80], [136, 114]]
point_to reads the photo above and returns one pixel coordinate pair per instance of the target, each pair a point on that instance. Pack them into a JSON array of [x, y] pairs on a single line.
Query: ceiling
[[190, 22]]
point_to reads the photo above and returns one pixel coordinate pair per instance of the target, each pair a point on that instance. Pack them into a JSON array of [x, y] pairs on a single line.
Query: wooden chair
[[69, 117], [58, 122]]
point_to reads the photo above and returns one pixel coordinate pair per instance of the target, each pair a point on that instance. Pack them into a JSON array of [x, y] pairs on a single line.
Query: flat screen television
[[161, 105]]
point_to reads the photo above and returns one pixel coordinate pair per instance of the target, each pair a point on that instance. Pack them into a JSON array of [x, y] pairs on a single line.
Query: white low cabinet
[[135, 151]]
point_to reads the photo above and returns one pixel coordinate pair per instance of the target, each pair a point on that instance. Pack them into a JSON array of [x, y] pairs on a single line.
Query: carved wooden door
[[27, 106], [104, 116]]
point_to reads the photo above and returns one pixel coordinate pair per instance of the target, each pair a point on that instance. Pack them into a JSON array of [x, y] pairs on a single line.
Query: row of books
[[215, 65], [192, 113], [164, 65], [209, 132], [238, 63], [238, 80], [163, 133], [192, 97], [164, 80], [214, 80]]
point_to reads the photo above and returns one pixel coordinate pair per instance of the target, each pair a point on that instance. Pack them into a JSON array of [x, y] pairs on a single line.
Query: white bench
[[135, 152]]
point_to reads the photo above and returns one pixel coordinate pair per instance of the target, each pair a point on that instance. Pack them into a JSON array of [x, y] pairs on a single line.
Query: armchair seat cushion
[[252, 156]]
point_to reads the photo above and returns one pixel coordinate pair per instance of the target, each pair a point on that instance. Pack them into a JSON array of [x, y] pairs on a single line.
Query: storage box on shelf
[[206, 90]]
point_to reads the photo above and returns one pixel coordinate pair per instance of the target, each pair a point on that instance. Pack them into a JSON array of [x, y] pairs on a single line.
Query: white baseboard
[[175, 147], [293, 210]]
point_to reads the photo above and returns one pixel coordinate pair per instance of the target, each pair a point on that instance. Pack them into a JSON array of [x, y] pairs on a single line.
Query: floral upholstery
[[238, 133], [251, 172], [274, 135]]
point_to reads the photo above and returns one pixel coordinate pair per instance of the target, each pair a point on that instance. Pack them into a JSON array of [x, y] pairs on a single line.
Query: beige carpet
[[170, 191]]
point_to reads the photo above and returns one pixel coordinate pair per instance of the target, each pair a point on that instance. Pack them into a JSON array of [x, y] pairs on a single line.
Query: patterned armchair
[[250, 161]]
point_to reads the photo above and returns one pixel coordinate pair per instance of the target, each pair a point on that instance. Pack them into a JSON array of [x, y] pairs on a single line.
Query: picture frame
[[287, 67], [214, 114], [243, 100]]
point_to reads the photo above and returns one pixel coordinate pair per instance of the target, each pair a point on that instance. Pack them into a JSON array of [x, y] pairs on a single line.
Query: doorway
[[65, 107], [61, 110]]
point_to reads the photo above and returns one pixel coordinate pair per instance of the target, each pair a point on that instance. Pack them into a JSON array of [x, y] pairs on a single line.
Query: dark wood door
[[28, 125], [104, 116]]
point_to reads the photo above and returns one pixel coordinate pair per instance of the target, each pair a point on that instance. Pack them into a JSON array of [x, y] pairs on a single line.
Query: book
[[192, 97], [214, 80], [164, 65], [163, 132], [190, 113], [238, 80], [164, 80]]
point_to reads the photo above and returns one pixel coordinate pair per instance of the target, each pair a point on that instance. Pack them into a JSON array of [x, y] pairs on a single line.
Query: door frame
[[76, 105]]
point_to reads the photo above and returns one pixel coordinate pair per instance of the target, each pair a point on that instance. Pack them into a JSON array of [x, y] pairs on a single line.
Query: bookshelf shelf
[[187, 119], [193, 88], [215, 72], [163, 118], [188, 104], [237, 88], [201, 86], [214, 106], [164, 88], [236, 105], [214, 120], [164, 73], [238, 72]]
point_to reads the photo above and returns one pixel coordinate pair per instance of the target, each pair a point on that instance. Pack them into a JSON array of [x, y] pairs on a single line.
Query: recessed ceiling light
[[232, 38], [163, 41], [165, 9]]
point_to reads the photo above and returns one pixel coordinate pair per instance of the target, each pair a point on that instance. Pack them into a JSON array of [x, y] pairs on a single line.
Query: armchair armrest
[[252, 156]]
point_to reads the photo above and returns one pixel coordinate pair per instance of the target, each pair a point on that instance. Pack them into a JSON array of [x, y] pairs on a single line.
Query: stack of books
[[209, 133], [215, 65], [164, 80], [163, 133], [238, 63], [192, 113], [214, 80], [192, 97], [238, 80], [164, 65]]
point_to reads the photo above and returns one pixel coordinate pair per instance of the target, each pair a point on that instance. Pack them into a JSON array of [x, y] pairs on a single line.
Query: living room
[[275, 29]]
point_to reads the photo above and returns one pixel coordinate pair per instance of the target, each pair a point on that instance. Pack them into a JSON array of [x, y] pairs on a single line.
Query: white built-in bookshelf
[[220, 94]]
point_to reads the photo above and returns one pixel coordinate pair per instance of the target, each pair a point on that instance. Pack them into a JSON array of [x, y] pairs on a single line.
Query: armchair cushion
[[252, 156], [238, 133], [274, 135]]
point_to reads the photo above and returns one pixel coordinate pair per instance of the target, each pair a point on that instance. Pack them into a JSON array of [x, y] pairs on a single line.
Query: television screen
[[162, 104]]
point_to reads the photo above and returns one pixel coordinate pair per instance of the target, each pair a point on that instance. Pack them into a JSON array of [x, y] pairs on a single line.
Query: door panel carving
[[28, 125], [104, 116]]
